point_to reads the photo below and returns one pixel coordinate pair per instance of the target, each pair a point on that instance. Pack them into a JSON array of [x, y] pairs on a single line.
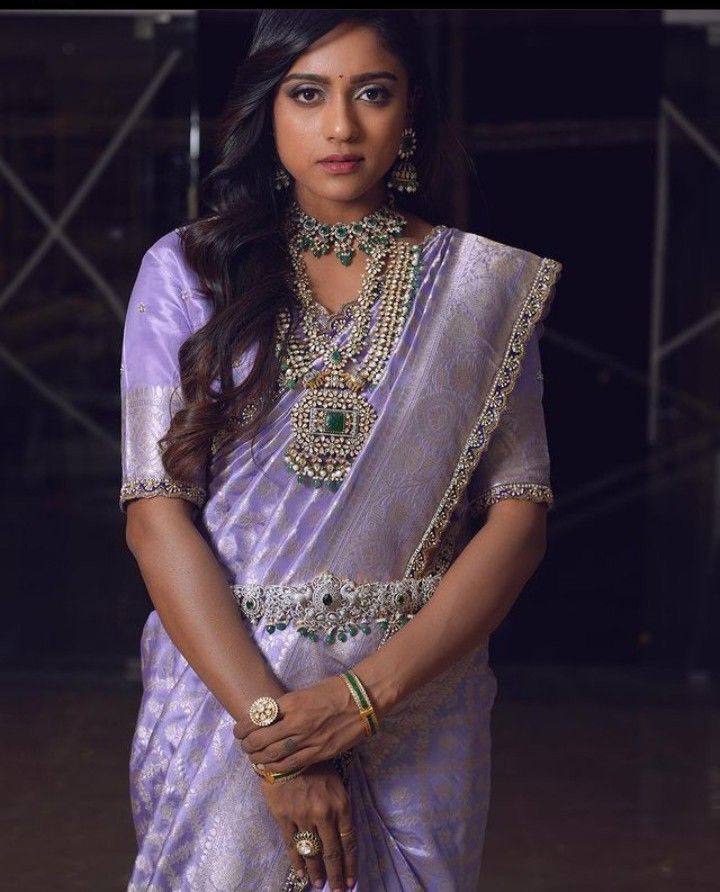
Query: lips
[[341, 158], [341, 163]]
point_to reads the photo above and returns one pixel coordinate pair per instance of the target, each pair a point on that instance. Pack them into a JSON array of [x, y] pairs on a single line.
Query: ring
[[264, 711], [307, 843], [346, 834]]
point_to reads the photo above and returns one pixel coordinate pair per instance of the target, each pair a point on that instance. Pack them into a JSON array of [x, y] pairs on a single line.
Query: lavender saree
[[459, 426]]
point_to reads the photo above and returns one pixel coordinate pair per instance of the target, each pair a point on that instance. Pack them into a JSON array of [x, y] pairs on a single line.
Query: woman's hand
[[316, 800], [316, 724]]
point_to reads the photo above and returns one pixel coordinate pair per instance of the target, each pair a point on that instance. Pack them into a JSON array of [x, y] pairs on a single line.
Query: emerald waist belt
[[333, 608]]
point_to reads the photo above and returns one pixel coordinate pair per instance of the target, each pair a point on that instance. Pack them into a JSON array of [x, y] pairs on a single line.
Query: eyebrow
[[358, 79]]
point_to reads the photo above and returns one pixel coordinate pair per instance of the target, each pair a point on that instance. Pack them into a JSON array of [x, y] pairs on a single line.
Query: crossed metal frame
[[55, 233], [659, 349]]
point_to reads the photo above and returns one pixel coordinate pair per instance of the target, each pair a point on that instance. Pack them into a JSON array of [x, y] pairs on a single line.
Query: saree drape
[[460, 425]]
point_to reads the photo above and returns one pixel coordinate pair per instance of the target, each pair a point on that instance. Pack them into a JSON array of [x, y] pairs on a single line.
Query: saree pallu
[[460, 425]]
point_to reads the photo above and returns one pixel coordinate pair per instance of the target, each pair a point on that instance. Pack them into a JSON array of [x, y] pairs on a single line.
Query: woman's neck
[[328, 211]]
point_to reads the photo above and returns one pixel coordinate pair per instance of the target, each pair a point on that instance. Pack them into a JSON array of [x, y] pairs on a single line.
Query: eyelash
[[383, 91]]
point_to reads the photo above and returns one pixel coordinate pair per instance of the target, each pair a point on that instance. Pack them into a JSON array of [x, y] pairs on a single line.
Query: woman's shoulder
[[492, 250], [167, 252]]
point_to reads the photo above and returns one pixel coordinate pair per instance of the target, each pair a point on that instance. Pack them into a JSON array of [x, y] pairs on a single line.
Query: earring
[[403, 175], [282, 178]]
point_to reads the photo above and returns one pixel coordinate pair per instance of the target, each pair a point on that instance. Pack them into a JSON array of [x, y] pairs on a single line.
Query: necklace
[[333, 418], [376, 230]]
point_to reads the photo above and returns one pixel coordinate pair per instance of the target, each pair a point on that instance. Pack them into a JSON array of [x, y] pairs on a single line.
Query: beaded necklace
[[333, 418], [376, 230]]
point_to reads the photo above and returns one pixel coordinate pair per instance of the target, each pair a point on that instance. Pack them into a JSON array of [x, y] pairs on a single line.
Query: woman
[[332, 425]]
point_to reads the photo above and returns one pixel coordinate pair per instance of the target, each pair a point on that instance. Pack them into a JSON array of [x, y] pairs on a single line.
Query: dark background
[[559, 110]]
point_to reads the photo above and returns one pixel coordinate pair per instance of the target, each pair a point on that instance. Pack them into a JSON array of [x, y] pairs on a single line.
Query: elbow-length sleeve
[[156, 325], [517, 463]]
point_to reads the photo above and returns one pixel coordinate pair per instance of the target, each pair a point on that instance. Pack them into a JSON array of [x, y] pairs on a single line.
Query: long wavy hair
[[238, 250]]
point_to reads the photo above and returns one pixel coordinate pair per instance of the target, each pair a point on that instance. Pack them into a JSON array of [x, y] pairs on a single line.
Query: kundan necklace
[[333, 418], [376, 230]]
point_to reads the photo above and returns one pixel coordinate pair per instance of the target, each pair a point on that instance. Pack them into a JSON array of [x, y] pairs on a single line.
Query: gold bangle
[[276, 777], [363, 702]]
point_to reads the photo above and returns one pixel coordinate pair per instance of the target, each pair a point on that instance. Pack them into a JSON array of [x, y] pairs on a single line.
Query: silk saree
[[322, 578]]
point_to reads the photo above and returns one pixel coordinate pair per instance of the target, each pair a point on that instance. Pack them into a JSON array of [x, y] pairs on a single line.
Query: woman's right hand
[[317, 800]]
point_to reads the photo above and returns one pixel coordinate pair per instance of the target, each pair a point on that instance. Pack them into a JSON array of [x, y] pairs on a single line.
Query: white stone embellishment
[[335, 607], [531, 492], [141, 308], [264, 711]]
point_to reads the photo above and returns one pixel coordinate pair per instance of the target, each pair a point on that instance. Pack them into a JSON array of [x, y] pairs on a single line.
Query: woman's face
[[338, 115]]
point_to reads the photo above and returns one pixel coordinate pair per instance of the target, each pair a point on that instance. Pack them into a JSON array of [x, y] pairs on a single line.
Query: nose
[[341, 123]]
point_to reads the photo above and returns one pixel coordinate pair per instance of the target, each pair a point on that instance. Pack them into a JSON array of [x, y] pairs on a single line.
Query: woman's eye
[[376, 94], [305, 94]]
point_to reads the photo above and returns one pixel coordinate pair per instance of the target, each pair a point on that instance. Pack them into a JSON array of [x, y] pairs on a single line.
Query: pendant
[[331, 422]]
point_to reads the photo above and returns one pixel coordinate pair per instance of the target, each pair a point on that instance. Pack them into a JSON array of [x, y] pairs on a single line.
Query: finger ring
[[346, 834], [264, 711], [307, 843]]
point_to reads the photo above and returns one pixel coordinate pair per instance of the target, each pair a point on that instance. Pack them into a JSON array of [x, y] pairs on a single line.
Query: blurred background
[[596, 138]]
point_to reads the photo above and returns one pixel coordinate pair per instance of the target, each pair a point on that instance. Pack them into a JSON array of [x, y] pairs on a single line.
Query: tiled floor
[[603, 781]]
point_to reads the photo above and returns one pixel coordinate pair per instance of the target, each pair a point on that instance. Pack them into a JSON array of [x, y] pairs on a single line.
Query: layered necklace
[[333, 418]]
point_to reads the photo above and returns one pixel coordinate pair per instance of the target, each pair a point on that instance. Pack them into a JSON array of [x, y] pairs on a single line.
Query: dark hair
[[238, 251]]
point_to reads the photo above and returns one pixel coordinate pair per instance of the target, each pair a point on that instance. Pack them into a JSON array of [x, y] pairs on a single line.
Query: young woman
[[336, 479]]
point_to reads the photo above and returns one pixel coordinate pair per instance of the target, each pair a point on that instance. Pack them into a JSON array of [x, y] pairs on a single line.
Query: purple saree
[[460, 425]]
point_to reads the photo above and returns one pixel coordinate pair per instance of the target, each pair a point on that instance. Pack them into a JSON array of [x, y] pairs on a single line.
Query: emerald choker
[[375, 231]]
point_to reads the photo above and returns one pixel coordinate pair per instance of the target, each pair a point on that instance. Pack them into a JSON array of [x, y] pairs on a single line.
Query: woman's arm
[[472, 599], [470, 602], [195, 603]]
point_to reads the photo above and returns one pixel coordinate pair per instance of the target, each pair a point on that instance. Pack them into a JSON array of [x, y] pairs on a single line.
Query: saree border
[[477, 442]]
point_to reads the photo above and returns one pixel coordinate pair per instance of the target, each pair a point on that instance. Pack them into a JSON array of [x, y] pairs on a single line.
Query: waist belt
[[333, 608]]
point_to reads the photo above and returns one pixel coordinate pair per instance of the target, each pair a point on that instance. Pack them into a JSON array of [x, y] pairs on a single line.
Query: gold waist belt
[[333, 608]]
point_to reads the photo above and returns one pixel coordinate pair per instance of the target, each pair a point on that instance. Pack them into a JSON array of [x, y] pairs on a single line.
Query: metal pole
[[658, 276]]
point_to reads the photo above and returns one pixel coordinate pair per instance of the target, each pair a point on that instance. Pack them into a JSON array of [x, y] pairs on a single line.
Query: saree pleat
[[420, 789]]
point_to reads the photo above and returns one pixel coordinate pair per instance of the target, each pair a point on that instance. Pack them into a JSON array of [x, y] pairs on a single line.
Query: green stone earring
[[403, 176]]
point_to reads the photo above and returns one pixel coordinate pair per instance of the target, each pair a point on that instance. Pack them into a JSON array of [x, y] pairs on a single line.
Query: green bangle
[[362, 699]]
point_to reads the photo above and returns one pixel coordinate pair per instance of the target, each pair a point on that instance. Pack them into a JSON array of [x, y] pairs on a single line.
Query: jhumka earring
[[282, 178], [403, 176]]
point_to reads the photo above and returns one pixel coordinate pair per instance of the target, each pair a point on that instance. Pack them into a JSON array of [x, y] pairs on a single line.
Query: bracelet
[[276, 777], [362, 699]]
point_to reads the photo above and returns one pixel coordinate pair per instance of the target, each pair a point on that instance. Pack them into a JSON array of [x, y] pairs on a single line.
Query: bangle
[[276, 777], [362, 699]]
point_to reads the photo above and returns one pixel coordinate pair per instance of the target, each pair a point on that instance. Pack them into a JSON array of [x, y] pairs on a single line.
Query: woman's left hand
[[317, 723]]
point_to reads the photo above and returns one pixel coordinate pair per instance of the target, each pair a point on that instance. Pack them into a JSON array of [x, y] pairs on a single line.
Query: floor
[[604, 780]]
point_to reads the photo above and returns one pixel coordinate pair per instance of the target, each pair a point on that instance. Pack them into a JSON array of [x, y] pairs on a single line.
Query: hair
[[238, 251]]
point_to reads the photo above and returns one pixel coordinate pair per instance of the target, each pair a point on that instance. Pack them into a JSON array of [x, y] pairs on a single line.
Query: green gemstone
[[303, 631], [327, 600], [342, 636], [383, 624], [401, 598], [313, 636], [330, 639], [270, 629], [334, 485], [317, 483], [281, 626], [301, 478], [365, 629], [345, 257], [336, 356], [353, 630], [334, 422], [341, 232]]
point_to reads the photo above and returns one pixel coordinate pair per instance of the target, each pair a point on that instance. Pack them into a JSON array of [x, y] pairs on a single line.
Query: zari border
[[146, 487], [478, 441], [532, 492]]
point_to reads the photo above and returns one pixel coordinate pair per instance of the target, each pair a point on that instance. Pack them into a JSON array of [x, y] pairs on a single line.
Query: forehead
[[349, 49]]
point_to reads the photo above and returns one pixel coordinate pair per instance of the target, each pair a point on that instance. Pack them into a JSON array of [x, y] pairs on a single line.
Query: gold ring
[[264, 711], [346, 833], [307, 843]]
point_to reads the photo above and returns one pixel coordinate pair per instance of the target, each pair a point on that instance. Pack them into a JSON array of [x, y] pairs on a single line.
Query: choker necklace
[[374, 231]]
